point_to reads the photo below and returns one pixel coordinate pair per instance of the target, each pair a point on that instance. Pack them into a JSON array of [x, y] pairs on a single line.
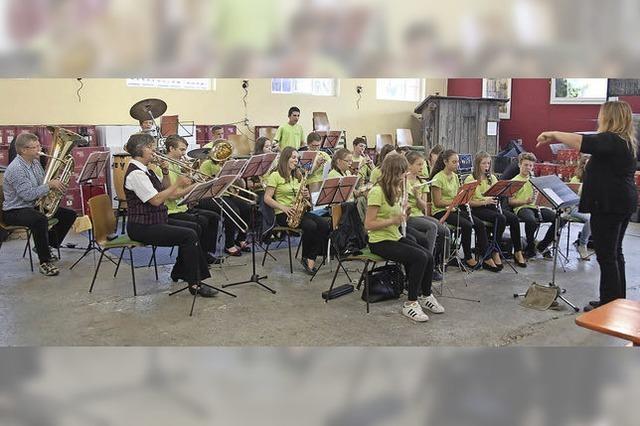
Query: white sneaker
[[414, 311], [48, 269], [430, 303], [583, 252]]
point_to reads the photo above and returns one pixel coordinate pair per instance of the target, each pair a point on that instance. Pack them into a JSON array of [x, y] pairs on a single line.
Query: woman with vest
[[148, 221]]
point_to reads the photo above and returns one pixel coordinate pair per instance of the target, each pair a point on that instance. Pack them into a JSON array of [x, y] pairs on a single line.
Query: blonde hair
[[616, 117], [527, 156]]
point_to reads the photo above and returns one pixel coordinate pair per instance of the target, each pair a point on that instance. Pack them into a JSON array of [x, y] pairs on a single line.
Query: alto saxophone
[[300, 204]]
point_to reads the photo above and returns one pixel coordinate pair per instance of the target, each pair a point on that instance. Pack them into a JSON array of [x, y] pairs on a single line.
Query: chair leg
[[299, 244], [118, 264], [95, 273], [28, 248], [366, 284], [155, 263], [333, 281], [266, 250], [24, 252], [568, 236], [133, 272], [153, 253], [171, 252], [289, 247]]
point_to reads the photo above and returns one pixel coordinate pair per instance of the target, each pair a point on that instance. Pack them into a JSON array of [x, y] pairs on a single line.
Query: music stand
[[464, 195], [500, 189], [330, 139], [213, 188], [560, 196], [256, 166], [306, 159], [335, 191], [93, 167], [232, 167]]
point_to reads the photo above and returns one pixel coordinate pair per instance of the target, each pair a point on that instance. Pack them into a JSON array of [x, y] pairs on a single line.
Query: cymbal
[[140, 110], [199, 153]]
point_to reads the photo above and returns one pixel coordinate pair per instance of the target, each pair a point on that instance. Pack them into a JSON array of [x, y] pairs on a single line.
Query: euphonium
[[221, 151], [60, 167]]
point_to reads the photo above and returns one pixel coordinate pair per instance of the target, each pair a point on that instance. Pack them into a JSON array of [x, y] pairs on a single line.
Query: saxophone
[[60, 167], [300, 203]]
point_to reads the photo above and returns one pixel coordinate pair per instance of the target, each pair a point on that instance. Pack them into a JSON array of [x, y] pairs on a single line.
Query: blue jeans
[[585, 218]]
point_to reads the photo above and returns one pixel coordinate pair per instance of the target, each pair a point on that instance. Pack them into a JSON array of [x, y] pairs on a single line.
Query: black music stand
[[93, 167], [210, 189], [500, 190], [233, 167], [306, 159], [335, 191], [329, 139], [560, 197], [464, 195], [257, 166]]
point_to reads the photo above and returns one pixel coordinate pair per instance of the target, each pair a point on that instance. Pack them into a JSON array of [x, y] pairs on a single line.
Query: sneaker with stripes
[[414, 312], [431, 303]]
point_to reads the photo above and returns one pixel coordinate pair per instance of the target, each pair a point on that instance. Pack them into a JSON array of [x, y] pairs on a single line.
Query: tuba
[[221, 151], [60, 167]]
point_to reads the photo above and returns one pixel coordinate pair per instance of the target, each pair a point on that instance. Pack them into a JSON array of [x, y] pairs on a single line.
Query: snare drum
[[120, 164]]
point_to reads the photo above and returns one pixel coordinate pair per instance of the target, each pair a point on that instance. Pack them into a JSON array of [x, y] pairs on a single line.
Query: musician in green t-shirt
[[291, 133]]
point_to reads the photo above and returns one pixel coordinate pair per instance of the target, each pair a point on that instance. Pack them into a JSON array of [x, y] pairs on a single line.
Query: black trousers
[[208, 222], [315, 233], [460, 218], [531, 223], [191, 264], [232, 235], [608, 232], [491, 214], [39, 224], [417, 261]]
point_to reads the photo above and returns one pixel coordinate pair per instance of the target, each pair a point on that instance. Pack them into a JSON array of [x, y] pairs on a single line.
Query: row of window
[[563, 90]]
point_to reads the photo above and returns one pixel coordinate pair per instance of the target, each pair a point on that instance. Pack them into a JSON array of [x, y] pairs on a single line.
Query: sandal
[[233, 251]]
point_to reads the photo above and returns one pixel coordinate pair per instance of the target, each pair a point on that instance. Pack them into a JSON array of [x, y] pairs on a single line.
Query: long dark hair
[[477, 173], [259, 145], [439, 166], [392, 171], [383, 153], [283, 164]]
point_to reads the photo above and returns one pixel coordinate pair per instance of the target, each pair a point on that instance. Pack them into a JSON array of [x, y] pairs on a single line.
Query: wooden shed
[[465, 124]]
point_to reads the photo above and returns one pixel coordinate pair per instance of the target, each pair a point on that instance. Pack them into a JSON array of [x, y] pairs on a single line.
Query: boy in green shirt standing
[[290, 134]]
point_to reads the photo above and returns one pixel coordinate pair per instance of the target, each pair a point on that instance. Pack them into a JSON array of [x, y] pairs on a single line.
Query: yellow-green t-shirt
[[413, 203], [284, 192], [172, 205], [364, 171], [333, 173], [385, 211], [482, 187], [375, 175], [524, 194], [425, 170], [318, 174], [209, 168], [575, 179], [288, 135], [449, 186]]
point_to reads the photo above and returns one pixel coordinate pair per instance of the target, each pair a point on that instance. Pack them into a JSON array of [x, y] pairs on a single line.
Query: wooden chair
[[321, 122], [104, 223], [382, 140], [404, 137]]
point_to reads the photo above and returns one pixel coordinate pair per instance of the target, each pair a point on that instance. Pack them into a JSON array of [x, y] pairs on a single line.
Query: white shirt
[[139, 182]]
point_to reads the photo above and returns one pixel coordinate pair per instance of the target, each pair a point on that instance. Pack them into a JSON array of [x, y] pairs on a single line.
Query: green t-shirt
[[375, 175], [385, 211], [413, 203], [318, 174], [288, 135], [448, 189], [172, 205], [482, 187], [364, 171], [524, 194], [333, 173], [285, 192], [209, 168], [575, 179]]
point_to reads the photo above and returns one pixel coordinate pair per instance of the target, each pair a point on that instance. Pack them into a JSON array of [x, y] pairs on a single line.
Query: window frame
[[129, 81], [421, 90], [554, 100], [336, 87]]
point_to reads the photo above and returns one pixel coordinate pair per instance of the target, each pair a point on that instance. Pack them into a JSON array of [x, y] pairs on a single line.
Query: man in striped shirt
[[23, 186]]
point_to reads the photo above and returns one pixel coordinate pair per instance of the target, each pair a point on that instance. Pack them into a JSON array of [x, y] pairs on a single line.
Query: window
[[174, 83], [578, 90], [307, 86], [399, 89]]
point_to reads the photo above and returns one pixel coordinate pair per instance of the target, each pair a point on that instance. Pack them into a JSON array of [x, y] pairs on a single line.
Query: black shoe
[[490, 268], [437, 276], [305, 266], [203, 291], [589, 307], [520, 264], [500, 267], [530, 253], [544, 251], [594, 303]]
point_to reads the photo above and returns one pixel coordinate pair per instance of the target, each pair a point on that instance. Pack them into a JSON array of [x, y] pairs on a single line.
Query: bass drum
[[119, 165]]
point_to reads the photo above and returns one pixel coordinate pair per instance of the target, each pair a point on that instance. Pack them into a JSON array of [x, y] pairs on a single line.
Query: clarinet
[[535, 199], [490, 181]]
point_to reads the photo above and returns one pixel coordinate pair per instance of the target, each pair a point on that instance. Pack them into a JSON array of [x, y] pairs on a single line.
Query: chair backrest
[[102, 217], [336, 215], [169, 125], [382, 140], [404, 137], [321, 122]]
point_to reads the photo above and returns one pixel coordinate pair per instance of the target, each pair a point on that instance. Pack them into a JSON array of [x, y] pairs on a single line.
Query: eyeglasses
[[33, 147]]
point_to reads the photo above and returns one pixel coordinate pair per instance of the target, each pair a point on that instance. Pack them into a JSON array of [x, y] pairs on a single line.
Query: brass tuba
[[60, 167], [221, 151]]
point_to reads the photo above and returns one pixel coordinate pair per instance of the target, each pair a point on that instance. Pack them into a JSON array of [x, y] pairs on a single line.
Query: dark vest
[[144, 213]]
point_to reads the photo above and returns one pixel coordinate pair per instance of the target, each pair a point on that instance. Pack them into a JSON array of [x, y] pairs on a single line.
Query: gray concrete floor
[[37, 310]]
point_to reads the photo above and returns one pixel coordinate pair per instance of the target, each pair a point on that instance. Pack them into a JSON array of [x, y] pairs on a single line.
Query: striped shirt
[[23, 184]]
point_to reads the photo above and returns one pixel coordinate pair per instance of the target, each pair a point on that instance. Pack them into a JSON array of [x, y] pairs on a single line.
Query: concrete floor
[[37, 310]]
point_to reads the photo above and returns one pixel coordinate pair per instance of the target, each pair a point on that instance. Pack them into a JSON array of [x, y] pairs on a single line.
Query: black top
[[608, 185]]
